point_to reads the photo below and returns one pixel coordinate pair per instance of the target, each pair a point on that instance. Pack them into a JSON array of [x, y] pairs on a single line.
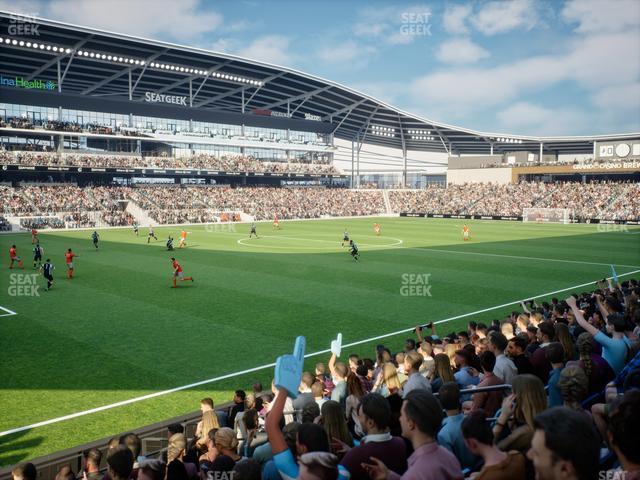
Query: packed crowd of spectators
[[117, 218], [562, 402], [4, 224], [199, 204], [263, 203], [601, 200], [227, 163]]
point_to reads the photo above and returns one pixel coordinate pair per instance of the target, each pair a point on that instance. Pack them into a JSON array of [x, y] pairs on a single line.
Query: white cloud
[[592, 63], [455, 17], [31, 8], [625, 98], [505, 15], [460, 51], [226, 45], [181, 20], [526, 117], [386, 91], [351, 52], [597, 16], [270, 49]]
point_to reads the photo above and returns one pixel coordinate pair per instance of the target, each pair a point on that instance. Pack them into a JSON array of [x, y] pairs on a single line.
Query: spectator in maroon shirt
[[374, 413], [539, 361], [420, 419], [489, 401]]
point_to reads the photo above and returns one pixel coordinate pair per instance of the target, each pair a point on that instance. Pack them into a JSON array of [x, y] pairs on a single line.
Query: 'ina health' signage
[[20, 82]]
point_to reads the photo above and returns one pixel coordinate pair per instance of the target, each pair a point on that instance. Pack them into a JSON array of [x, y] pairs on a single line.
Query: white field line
[[8, 312], [499, 255], [400, 242], [270, 365]]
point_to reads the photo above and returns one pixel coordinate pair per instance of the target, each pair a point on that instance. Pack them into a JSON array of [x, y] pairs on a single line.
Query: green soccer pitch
[[117, 331]]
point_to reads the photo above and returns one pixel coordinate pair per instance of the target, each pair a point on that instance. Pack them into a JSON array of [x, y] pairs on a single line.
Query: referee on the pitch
[[47, 271]]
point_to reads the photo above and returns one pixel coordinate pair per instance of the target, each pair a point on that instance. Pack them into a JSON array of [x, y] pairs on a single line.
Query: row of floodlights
[[34, 45], [127, 60], [419, 132], [508, 140], [383, 131], [422, 137]]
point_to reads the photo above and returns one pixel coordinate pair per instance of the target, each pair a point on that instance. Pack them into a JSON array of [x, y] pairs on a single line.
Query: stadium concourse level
[[565, 404], [227, 163], [63, 126], [604, 201]]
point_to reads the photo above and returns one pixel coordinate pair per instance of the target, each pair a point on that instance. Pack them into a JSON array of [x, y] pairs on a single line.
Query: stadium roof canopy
[[93, 62]]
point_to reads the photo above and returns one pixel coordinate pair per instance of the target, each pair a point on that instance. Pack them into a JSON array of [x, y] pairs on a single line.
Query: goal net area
[[547, 215]]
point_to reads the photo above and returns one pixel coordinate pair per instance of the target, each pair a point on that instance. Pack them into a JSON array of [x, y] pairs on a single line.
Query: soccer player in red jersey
[[178, 273], [13, 257], [465, 233], [34, 236], [68, 258]]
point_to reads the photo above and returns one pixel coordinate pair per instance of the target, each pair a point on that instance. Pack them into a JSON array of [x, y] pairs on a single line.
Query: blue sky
[[519, 66]]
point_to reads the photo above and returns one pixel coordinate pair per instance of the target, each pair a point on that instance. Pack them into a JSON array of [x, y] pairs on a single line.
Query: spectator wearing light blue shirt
[[614, 348], [450, 435]]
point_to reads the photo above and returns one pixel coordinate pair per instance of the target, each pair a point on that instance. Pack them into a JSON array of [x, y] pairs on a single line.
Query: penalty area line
[[271, 365], [7, 313]]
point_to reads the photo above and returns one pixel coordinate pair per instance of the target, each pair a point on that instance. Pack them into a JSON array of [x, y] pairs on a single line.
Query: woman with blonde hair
[[442, 372], [209, 422], [450, 350], [507, 329], [522, 322], [226, 443], [518, 410], [176, 451], [388, 382]]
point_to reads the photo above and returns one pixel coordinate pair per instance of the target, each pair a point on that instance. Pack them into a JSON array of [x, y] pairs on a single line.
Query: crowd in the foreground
[[226, 163], [566, 405], [602, 200]]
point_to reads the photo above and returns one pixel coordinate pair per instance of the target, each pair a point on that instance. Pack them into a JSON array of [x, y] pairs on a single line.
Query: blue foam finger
[[336, 345], [288, 371]]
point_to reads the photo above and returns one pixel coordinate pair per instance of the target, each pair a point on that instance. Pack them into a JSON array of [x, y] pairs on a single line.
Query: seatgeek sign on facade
[[152, 97]]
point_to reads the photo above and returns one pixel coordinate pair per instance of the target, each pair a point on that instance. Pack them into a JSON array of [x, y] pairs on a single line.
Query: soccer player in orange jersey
[[276, 223], [13, 257], [465, 233], [34, 236], [377, 228], [68, 258], [178, 273], [183, 239]]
